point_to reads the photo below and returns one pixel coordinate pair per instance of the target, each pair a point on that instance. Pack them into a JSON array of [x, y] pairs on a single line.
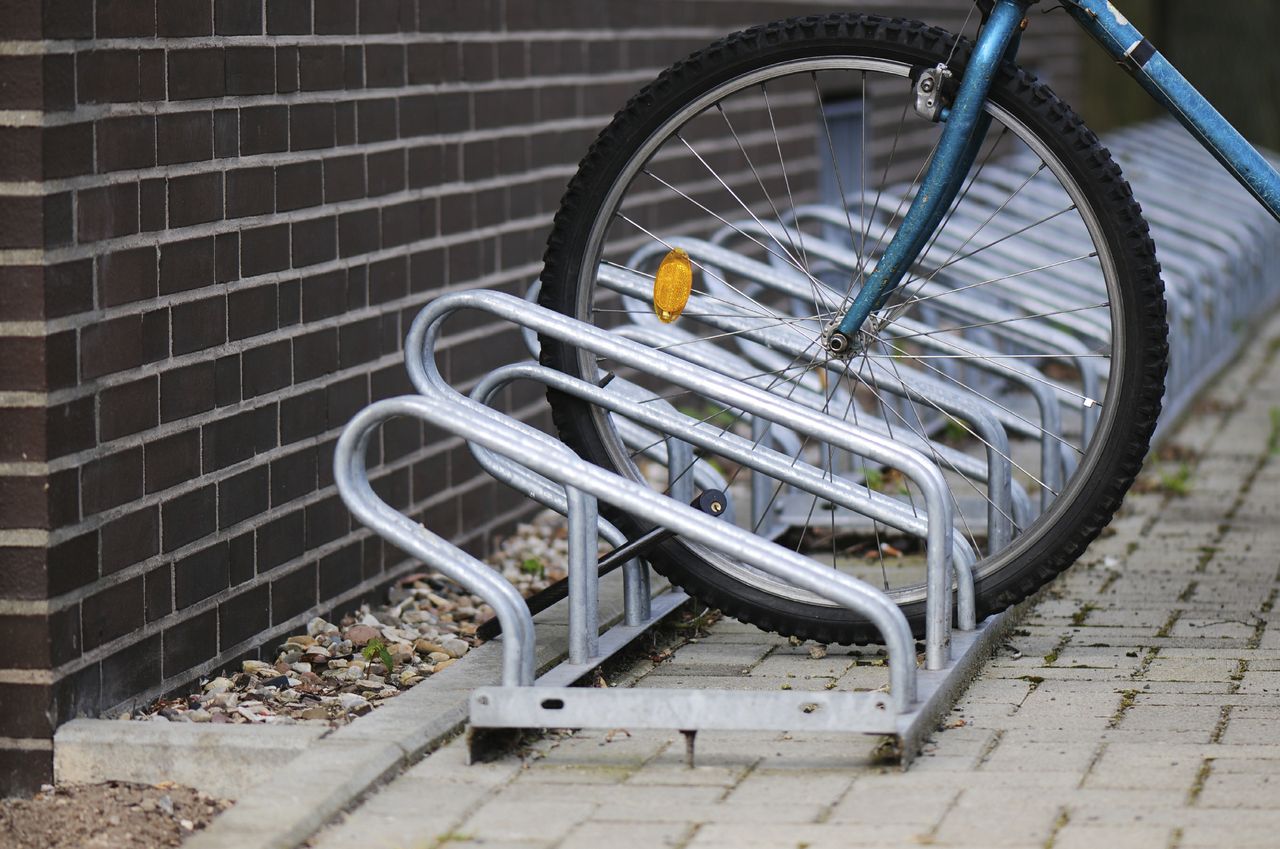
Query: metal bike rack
[[1222, 268], [552, 475]]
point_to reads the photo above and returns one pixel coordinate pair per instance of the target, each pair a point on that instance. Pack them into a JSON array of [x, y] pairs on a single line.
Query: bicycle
[[926, 299]]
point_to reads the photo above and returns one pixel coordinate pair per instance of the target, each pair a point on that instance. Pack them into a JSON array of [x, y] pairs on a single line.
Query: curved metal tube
[[352, 480], [497, 434], [424, 373]]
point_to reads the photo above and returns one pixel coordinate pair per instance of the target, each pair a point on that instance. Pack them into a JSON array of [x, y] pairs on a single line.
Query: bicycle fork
[[966, 123]]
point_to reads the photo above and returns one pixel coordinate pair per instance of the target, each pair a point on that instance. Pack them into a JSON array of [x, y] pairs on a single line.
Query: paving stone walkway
[[1137, 705]]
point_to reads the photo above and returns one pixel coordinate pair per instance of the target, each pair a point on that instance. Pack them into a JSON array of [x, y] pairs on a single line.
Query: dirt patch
[[114, 815]]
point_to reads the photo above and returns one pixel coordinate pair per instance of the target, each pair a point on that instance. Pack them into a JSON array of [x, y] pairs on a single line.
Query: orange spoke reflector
[[672, 285]]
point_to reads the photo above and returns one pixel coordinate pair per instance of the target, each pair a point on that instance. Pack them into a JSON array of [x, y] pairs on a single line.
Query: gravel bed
[[336, 671]]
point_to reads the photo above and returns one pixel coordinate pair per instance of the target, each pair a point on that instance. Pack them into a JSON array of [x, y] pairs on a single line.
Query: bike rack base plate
[[500, 714]]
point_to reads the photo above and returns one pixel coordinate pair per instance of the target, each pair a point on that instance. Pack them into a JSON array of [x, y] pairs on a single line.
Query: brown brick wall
[[216, 221]]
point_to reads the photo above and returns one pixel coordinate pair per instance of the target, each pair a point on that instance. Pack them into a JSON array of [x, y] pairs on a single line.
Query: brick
[[237, 17], [326, 520], [250, 191], [292, 476], [384, 16], [299, 185], [303, 416], [184, 137], [429, 63], [226, 133], [124, 18], [155, 335], [111, 345], [127, 276], [186, 518], [152, 205], [358, 232], [57, 496], [293, 593], [200, 575], [334, 17], [195, 199], [340, 571], [111, 480], [324, 295], [226, 380], [346, 398], [184, 18], [107, 76], [242, 496], [111, 613], [264, 129], [376, 120], [186, 265], [24, 157], [152, 80], [199, 324], [314, 241], [131, 670], [251, 312], [68, 290], [226, 257], [22, 434], [171, 460], [23, 502], [280, 541], [408, 222], [386, 172], [190, 642], [158, 592], [346, 122], [388, 280], [320, 67], [266, 369], [315, 354], [264, 249], [197, 74], [130, 539], [22, 292], [238, 437], [384, 65], [312, 126], [240, 554], [186, 391], [344, 178], [250, 70], [57, 220], [105, 212], [68, 150], [290, 302], [359, 342], [128, 408], [288, 17], [242, 617]]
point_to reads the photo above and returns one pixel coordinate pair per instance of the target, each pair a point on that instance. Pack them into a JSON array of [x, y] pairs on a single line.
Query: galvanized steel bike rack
[[1221, 266], [551, 474]]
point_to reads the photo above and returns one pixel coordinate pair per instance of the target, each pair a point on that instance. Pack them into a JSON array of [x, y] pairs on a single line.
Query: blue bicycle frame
[[967, 122]]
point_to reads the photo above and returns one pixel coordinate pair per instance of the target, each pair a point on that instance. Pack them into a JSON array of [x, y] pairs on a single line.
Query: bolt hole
[[484, 700], [552, 704]]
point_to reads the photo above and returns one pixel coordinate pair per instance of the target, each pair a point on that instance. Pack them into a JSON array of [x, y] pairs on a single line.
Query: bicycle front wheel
[[1024, 354]]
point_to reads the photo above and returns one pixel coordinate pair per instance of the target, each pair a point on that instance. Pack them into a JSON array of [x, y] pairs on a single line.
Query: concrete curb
[[221, 760], [289, 804]]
